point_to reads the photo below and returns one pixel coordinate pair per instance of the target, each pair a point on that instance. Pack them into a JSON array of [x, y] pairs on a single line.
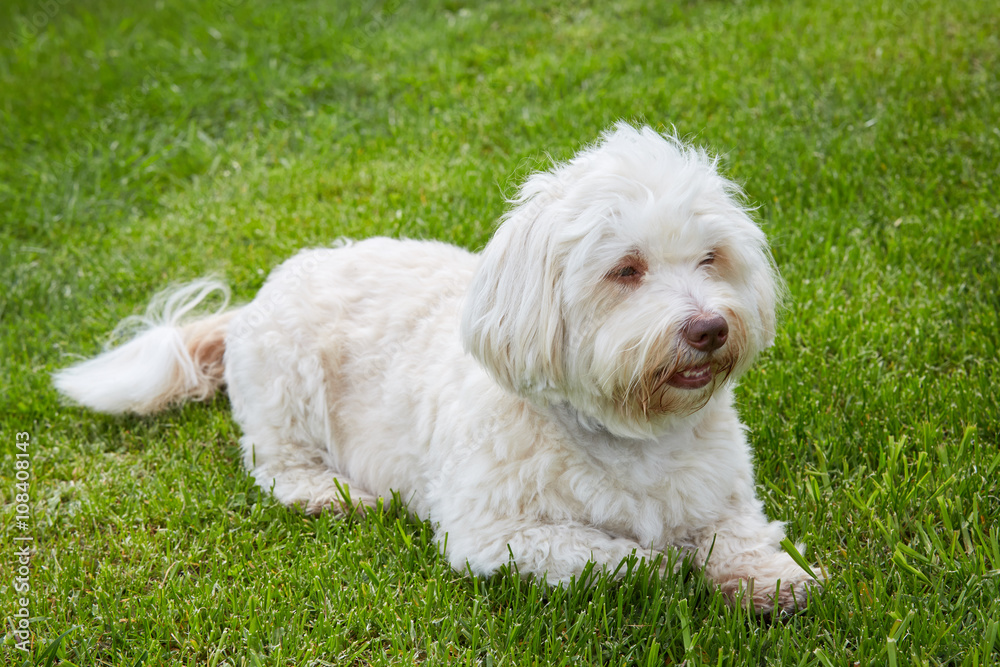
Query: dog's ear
[[762, 283], [512, 322], [770, 292]]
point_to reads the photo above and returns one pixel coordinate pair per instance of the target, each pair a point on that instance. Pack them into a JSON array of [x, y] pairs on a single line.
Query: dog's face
[[629, 282]]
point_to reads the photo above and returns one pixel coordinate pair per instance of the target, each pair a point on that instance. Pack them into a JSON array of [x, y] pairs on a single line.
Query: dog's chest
[[655, 497]]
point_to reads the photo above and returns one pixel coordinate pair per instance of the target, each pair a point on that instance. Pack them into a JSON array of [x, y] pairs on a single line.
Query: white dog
[[563, 397]]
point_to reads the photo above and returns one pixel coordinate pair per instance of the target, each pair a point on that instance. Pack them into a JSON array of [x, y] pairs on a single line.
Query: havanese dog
[[563, 397]]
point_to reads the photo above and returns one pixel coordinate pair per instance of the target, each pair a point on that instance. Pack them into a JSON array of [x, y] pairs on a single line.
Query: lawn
[[145, 145]]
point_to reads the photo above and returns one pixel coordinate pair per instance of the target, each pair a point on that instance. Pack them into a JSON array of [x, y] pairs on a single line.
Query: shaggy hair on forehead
[[563, 397]]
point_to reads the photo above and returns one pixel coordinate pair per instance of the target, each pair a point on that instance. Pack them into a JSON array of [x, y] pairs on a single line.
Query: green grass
[[144, 146]]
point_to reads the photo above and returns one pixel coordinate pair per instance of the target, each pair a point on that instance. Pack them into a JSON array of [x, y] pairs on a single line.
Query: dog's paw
[[767, 596], [340, 506], [776, 587]]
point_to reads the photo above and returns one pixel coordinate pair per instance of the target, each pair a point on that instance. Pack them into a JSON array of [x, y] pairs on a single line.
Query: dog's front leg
[[550, 551]]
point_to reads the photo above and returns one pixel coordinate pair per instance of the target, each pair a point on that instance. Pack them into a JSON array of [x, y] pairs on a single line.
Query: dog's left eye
[[708, 260]]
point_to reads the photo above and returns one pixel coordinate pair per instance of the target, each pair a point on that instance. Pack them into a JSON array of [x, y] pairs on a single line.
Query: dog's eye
[[629, 270], [628, 273], [708, 260]]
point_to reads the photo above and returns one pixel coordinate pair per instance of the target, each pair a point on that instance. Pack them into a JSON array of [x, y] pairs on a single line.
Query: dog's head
[[629, 282]]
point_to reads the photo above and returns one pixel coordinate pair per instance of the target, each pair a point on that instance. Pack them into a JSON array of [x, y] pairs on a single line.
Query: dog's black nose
[[707, 332]]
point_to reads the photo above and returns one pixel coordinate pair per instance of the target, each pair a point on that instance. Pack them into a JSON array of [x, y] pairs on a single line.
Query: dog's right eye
[[628, 273]]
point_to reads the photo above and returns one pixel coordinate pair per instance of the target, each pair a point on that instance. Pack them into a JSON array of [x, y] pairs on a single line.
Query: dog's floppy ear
[[512, 322]]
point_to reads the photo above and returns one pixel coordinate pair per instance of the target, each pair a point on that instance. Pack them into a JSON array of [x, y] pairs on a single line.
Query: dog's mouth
[[682, 382], [697, 377], [694, 377]]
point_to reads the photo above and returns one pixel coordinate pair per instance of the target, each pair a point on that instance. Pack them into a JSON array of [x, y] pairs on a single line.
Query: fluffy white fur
[[545, 400]]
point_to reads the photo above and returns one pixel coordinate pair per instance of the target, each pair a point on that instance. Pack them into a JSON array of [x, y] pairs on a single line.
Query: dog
[[562, 398]]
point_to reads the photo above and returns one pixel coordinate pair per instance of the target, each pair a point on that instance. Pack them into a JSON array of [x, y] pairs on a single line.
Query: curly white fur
[[564, 397]]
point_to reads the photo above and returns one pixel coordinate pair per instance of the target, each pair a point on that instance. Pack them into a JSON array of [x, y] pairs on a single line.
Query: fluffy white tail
[[168, 358]]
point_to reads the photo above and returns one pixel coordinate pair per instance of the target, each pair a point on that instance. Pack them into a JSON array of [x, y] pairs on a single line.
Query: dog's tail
[[170, 357]]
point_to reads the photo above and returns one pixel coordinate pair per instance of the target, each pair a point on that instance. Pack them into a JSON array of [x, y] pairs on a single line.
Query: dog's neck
[[591, 432]]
